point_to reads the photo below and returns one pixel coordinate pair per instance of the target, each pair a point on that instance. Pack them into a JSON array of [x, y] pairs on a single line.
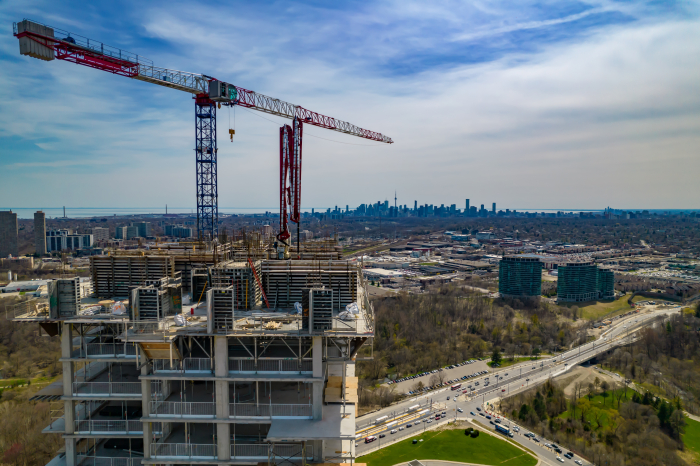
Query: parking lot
[[449, 374]]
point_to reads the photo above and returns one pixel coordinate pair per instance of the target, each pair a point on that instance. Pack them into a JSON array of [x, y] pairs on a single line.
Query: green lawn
[[691, 438], [451, 445], [596, 309]]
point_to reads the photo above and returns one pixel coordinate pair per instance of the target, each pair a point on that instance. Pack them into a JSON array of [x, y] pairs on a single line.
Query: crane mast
[[48, 43]]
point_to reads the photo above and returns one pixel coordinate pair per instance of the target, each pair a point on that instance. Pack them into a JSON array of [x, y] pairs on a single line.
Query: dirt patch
[[584, 375]]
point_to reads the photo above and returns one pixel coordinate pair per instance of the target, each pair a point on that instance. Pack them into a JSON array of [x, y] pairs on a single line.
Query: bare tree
[[434, 380]]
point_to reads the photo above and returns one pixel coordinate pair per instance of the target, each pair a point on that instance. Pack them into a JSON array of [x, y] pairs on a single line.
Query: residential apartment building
[[61, 240], [227, 388], [100, 234], [8, 234], [178, 231], [520, 275], [584, 281], [40, 233]]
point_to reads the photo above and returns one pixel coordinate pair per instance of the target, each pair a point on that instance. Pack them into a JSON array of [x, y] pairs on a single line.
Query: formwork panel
[[284, 281]]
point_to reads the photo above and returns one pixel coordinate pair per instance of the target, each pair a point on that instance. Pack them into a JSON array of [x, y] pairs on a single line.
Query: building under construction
[[213, 355]]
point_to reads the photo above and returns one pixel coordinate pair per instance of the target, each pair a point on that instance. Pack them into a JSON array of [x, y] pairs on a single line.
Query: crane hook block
[[231, 132]]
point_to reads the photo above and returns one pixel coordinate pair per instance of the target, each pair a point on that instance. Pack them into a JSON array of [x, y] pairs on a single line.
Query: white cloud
[[610, 119]]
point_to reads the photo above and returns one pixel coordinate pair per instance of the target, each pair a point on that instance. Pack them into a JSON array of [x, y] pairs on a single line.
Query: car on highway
[[560, 459], [460, 410], [569, 455], [370, 439], [497, 421], [448, 397], [393, 431], [491, 422], [401, 428], [382, 435], [409, 425], [488, 417], [503, 390], [578, 462], [478, 409], [428, 421], [472, 413], [417, 422]]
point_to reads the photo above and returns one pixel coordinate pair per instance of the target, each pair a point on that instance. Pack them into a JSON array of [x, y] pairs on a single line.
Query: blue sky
[[561, 104]]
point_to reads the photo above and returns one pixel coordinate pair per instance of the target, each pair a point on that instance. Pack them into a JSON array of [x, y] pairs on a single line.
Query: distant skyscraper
[[40, 233], [467, 209], [8, 234], [415, 206], [493, 208]]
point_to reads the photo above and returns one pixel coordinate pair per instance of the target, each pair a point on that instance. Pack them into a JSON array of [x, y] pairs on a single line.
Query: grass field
[[596, 309], [691, 438], [451, 445]]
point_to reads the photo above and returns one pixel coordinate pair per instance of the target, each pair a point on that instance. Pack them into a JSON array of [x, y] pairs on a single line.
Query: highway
[[491, 388]]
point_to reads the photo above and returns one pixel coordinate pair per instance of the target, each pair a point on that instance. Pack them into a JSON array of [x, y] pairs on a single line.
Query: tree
[[605, 386], [434, 380], [591, 388], [442, 376], [536, 352], [584, 406], [677, 424], [496, 356], [596, 382]]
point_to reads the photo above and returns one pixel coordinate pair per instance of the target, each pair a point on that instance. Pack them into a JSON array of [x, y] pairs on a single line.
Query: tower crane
[[48, 43]]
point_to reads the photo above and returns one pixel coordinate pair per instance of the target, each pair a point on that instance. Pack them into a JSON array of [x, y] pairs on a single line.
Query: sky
[[529, 104]]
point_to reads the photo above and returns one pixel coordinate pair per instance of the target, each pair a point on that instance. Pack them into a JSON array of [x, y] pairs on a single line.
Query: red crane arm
[[48, 43]]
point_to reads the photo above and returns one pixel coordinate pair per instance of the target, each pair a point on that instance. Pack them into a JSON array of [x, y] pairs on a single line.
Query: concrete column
[[221, 356], [317, 385], [146, 409], [223, 429], [71, 457], [317, 356], [223, 441], [318, 450], [317, 400], [68, 368], [66, 340]]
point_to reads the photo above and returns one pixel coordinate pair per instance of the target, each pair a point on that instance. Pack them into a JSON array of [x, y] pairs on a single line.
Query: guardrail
[[258, 451], [83, 460], [117, 426], [183, 409], [188, 365], [186, 450], [86, 426], [106, 388], [107, 350], [296, 411], [35, 308], [269, 365]]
